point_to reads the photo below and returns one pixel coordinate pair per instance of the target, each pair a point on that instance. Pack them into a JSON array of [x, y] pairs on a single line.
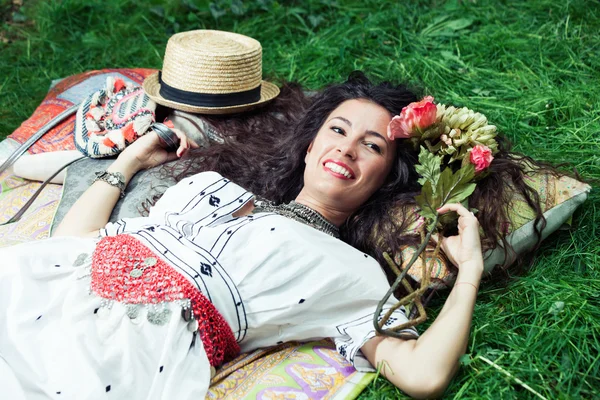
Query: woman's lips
[[338, 169]]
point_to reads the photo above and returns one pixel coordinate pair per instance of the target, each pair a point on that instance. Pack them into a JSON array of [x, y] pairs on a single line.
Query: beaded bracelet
[[115, 179]]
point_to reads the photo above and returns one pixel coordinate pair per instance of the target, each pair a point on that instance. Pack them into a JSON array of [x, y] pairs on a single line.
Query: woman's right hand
[[147, 151], [464, 249]]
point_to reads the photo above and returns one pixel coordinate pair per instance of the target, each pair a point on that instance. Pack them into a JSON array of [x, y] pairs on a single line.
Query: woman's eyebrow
[[370, 133], [343, 119], [376, 134]]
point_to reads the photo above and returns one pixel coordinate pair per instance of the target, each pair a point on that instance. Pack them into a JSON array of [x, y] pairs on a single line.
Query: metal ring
[[168, 138]]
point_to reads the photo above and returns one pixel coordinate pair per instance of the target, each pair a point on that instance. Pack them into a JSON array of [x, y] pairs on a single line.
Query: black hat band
[[208, 99]]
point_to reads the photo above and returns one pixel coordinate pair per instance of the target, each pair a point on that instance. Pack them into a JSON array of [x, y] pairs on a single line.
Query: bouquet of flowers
[[457, 146]]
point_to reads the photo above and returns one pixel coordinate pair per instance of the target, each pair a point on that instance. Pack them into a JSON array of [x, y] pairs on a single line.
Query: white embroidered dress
[[272, 278]]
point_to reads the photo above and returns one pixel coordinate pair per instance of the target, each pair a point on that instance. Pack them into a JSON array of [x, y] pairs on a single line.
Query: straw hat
[[211, 72]]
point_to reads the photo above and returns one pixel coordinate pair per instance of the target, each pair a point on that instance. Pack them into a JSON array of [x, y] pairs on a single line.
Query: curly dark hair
[[263, 151]]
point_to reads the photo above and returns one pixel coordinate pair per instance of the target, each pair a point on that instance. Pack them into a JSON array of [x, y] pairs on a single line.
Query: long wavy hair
[[263, 151]]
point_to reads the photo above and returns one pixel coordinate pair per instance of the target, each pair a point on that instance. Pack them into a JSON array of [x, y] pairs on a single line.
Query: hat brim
[[268, 92]]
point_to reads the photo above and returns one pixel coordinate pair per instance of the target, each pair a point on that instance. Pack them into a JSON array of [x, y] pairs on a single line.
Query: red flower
[[414, 118], [481, 157]]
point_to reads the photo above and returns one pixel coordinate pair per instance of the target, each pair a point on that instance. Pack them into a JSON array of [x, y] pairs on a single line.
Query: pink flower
[[414, 118], [481, 157]]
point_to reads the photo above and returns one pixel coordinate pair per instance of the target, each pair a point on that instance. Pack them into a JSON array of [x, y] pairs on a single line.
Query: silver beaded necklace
[[298, 212]]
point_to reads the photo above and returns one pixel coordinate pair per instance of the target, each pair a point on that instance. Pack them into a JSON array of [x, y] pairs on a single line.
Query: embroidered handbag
[[112, 118]]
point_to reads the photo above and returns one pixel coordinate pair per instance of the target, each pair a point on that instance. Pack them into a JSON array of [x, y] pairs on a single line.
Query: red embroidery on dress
[[114, 260]]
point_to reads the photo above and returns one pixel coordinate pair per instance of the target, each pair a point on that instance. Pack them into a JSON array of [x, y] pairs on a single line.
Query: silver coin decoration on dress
[[132, 310], [136, 273], [192, 326], [156, 317], [150, 261], [298, 212]]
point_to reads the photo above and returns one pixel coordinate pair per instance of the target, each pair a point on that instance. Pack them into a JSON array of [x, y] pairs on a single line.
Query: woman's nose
[[348, 149]]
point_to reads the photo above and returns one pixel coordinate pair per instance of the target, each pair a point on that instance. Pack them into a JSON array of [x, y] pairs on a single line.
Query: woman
[[83, 317]]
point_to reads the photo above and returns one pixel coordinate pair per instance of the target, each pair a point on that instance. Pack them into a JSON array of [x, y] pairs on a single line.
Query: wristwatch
[[115, 179]]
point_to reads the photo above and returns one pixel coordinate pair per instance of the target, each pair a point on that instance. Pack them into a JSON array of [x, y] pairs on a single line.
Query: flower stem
[[379, 324]]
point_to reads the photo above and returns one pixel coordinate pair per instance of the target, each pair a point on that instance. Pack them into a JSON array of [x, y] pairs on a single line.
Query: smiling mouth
[[339, 170]]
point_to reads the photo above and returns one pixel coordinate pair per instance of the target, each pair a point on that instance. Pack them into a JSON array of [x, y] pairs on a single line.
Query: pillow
[[559, 197], [143, 186], [64, 94]]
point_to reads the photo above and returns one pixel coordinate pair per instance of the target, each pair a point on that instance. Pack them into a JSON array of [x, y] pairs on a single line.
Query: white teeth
[[338, 169]]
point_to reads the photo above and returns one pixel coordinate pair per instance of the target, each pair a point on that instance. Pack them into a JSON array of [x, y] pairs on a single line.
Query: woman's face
[[350, 157]]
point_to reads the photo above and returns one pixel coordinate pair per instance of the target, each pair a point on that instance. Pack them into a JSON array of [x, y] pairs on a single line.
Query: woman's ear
[[308, 151]]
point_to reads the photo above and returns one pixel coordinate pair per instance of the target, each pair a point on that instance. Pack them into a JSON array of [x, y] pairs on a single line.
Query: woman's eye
[[375, 147], [338, 130]]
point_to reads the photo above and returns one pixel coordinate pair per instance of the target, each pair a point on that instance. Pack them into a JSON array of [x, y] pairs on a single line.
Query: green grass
[[533, 67]]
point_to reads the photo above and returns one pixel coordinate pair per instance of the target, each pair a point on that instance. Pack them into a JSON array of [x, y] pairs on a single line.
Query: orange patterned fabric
[[68, 92]]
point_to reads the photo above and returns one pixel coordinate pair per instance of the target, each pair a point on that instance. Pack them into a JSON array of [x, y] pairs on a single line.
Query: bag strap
[[26, 206], [36, 136]]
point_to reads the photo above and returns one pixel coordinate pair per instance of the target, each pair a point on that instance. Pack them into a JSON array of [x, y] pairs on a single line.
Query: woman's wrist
[[125, 166], [471, 272]]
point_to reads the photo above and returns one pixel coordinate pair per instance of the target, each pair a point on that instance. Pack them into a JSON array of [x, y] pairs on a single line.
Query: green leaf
[[18, 17], [426, 201], [483, 93], [442, 27], [556, 308], [158, 10], [459, 24], [216, 10], [450, 188], [428, 167], [315, 20], [465, 360], [455, 187], [431, 148], [449, 56], [237, 7]]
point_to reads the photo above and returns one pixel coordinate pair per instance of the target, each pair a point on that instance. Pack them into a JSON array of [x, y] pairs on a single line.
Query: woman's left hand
[[464, 248], [148, 151]]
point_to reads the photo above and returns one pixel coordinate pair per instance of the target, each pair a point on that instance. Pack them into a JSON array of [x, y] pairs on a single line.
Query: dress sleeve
[[359, 330]]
